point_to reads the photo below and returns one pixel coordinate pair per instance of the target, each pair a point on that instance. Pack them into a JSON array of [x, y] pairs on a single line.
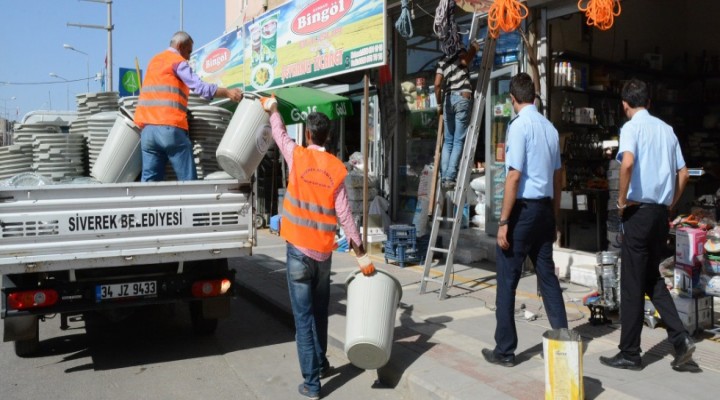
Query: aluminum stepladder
[[463, 178]]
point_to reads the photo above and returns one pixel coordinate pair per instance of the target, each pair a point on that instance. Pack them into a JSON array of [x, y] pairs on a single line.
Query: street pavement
[[152, 354], [437, 343]]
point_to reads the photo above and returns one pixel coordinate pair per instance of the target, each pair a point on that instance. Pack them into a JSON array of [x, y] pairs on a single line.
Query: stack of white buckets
[[239, 153]]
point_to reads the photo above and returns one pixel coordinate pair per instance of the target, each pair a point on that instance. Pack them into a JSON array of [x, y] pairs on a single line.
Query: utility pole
[[181, 15], [109, 28]]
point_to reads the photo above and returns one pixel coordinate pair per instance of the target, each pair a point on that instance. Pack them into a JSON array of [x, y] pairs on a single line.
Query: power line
[[45, 82]]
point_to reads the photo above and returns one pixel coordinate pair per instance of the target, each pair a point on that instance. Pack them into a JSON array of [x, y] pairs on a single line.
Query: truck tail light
[[210, 288], [32, 299]]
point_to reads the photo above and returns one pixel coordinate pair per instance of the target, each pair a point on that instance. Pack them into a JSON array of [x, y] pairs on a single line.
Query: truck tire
[[201, 325], [28, 347]]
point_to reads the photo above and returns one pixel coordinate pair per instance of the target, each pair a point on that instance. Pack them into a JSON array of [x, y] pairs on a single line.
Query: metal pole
[[88, 73], [181, 15], [364, 136], [110, 51]]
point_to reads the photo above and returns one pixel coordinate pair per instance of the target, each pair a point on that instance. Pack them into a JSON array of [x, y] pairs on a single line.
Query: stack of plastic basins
[[401, 245]]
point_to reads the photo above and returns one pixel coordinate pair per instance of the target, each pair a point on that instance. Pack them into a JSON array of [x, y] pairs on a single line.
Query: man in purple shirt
[[163, 119]]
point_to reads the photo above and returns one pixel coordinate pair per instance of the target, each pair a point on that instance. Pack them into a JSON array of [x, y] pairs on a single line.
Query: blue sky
[[32, 34]]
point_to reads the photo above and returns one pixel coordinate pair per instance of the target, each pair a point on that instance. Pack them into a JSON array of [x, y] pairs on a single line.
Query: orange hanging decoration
[[505, 15], [601, 13]]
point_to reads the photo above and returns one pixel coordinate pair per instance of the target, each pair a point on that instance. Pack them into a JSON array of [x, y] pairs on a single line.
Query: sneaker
[[448, 185], [304, 391]]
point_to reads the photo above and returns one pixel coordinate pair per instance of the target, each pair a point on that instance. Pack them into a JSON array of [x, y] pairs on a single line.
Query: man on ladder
[[452, 78]]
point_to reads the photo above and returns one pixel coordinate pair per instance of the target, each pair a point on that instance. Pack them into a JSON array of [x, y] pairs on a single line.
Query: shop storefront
[[581, 69]]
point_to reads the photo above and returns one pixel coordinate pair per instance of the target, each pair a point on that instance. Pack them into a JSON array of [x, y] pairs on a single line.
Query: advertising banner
[[129, 84], [221, 61], [297, 42]]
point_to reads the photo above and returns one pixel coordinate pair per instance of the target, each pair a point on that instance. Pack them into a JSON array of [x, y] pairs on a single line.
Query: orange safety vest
[[308, 218], [163, 97]]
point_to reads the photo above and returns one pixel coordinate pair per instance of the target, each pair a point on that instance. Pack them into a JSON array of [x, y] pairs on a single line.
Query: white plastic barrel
[[120, 159], [370, 321], [245, 141]]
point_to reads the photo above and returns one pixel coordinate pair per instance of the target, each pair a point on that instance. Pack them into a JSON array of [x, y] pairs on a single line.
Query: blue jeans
[[309, 285], [161, 143], [456, 119], [531, 232]]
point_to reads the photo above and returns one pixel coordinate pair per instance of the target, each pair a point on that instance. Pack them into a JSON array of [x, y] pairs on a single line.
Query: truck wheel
[[28, 347], [200, 324]]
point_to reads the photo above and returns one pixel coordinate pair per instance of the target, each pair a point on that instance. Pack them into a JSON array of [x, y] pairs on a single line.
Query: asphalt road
[[153, 354]]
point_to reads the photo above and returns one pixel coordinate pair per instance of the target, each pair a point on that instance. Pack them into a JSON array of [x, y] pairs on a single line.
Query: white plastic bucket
[[245, 141], [120, 159], [372, 302]]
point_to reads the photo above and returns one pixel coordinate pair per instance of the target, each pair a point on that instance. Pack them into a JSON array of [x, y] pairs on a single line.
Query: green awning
[[295, 103]]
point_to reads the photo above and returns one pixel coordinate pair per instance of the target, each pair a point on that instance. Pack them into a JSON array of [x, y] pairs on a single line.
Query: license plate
[[125, 290]]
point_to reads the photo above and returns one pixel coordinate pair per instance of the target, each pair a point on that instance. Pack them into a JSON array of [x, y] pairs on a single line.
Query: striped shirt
[[342, 206], [456, 77]]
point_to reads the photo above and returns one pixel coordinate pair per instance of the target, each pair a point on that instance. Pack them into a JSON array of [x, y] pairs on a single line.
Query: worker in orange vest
[[315, 200], [162, 110]]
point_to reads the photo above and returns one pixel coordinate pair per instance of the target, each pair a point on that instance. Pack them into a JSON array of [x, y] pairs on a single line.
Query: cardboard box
[[689, 244], [691, 305], [687, 280], [696, 321]]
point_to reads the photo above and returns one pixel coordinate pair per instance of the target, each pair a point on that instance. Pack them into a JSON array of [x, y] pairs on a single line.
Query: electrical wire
[[404, 23], [446, 28], [601, 13], [55, 82]]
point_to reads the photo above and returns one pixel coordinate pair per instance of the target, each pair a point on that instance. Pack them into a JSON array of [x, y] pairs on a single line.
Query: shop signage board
[[221, 61], [297, 42]]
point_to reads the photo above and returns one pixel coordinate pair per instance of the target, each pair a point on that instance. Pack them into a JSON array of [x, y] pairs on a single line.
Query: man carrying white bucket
[[315, 200], [162, 110]]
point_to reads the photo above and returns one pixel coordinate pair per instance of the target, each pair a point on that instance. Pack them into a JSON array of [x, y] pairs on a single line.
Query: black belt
[[649, 205], [547, 200]]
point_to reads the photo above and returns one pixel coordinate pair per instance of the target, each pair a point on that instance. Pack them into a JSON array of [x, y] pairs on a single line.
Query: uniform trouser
[[531, 232], [645, 231]]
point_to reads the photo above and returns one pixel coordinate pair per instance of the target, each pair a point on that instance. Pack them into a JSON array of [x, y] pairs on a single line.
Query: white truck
[[73, 248]]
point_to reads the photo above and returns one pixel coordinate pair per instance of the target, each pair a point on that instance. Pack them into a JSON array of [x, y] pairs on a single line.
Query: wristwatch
[[503, 222]]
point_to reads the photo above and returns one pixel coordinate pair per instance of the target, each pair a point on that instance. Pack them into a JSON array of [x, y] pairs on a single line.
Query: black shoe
[[622, 362], [304, 391], [683, 352], [490, 357]]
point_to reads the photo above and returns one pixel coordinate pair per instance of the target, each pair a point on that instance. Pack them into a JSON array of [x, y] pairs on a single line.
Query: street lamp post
[[7, 116], [87, 57], [109, 28], [67, 89]]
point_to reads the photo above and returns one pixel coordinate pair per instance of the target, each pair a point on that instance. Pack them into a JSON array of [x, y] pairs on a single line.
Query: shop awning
[[295, 103]]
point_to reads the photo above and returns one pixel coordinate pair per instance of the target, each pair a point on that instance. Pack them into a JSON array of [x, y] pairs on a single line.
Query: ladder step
[[444, 219], [440, 250], [429, 279]]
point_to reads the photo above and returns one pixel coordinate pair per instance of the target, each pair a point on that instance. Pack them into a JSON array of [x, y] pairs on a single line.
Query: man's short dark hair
[[522, 88], [319, 126], [636, 93]]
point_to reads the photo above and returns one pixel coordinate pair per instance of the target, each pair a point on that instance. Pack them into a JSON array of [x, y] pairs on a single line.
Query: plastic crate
[[401, 233]]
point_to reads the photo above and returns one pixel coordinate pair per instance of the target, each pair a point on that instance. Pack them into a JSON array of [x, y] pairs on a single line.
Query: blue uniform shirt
[[532, 147], [657, 158]]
